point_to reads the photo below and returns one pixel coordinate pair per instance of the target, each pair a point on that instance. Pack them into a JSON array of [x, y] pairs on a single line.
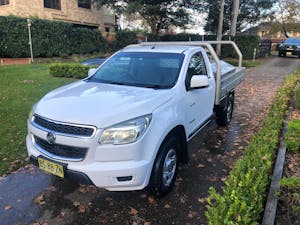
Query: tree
[[158, 15], [250, 12], [288, 16], [212, 21], [235, 13]]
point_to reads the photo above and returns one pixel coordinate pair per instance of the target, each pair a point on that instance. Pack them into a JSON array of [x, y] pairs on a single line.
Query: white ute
[[126, 126]]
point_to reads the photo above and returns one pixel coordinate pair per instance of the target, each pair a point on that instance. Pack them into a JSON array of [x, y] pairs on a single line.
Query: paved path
[[29, 196]]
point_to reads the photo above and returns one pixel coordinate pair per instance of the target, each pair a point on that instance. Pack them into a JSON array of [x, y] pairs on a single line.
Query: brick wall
[[15, 61], [70, 12]]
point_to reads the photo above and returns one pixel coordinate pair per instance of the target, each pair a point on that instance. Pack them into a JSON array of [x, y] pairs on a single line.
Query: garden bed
[[288, 210]]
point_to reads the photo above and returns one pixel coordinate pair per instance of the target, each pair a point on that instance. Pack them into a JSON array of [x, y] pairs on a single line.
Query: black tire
[[164, 170], [224, 112], [282, 54]]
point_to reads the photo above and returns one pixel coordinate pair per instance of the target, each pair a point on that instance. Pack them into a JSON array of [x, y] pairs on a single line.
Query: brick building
[[81, 12]]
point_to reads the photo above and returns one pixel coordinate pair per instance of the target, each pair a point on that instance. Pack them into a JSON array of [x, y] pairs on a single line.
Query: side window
[[196, 67]]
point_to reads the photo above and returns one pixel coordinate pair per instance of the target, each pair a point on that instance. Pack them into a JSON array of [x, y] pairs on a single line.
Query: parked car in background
[[289, 47], [93, 62]]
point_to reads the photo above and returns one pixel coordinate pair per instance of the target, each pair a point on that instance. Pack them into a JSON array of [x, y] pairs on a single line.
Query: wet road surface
[[30, 196]]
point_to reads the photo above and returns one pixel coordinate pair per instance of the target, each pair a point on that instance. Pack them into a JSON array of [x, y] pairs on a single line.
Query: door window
[[196, 67]]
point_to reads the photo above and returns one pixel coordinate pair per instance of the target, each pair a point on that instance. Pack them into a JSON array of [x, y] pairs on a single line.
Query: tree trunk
[[235, 13], [220, 27]]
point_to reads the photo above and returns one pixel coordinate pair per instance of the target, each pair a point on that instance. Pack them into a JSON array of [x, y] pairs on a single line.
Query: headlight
[[125, 132]]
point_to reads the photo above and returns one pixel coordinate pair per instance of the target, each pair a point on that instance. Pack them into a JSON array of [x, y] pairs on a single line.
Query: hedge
[[246, 43], [49, 38], [244, 194], [123, 38], [73, 70]]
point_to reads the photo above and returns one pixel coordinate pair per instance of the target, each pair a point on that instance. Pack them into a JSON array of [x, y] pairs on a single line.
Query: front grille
[[63, 128], [60, 151]]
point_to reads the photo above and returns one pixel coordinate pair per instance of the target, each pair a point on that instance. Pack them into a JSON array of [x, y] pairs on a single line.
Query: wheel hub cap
[[169, 167]]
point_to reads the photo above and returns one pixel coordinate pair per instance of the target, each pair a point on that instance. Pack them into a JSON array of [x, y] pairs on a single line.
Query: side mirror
[[92, 71], [198, 81]]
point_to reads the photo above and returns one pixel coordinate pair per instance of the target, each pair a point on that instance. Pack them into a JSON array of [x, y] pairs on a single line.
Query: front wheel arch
[[175, 140]]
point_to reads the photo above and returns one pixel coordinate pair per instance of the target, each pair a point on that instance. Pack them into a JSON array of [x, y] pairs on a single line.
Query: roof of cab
[[159, 48]]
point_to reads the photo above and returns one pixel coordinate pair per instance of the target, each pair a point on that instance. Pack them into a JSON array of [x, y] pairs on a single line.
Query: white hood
[[101, 105]]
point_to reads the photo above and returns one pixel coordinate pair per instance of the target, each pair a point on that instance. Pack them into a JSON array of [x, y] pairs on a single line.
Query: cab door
[[199, 101]]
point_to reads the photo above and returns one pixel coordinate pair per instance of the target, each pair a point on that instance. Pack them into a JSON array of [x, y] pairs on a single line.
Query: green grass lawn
[[20, 87]]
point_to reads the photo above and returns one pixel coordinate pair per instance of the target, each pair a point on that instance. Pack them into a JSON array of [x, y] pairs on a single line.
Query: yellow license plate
[[51, 167], [288, 53]]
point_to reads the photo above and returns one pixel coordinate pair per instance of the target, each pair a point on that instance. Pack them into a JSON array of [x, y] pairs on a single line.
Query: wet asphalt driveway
[[30, 196]]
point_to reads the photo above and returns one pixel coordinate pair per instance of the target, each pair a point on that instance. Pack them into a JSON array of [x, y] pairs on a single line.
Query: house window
[[107, 29], [52, 4], [4, 2], [84, 4]]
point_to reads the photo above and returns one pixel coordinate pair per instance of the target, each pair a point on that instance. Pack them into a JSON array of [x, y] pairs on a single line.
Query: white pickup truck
[[126, 126]]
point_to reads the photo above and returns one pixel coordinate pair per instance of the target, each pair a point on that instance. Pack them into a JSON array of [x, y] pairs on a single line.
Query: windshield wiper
[[107, 82], [155, 86], [115, 82]]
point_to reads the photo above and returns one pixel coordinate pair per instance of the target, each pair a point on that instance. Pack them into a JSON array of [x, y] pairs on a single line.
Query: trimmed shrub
[[297, 97], [14, 37], [181, 37], [123, 38], [68, 70], [292, 136], [246, 43], [242, 201], [49, 38]]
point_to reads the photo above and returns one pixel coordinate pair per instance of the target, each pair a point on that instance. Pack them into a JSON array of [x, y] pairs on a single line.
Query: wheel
[[165, 167], [224, 113]]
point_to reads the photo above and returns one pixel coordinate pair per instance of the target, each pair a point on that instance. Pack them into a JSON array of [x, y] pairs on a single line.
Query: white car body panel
[[104, 105]]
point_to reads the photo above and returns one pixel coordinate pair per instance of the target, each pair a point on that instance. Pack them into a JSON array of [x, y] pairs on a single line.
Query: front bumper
[[115, 168], [287, 51]]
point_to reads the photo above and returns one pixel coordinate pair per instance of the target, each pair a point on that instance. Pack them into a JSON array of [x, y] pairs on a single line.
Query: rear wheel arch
[[224, 111]]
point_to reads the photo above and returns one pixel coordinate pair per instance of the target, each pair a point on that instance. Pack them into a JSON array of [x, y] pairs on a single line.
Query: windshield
[[141, 69], [292, 41]]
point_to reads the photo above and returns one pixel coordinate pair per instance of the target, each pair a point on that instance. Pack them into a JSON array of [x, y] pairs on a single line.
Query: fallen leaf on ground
[[8, 207], [202, 200], [82, 209], [76, 204], [212, 178], [167, 206], [200, 165], [183, 200], [143, 195], [40, 200], [223, 178], [52, 188], [133, 212], [108, 199], [151, 200]]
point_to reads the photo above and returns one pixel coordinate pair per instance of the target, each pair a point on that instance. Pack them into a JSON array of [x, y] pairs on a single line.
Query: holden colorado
[[126, 126]]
